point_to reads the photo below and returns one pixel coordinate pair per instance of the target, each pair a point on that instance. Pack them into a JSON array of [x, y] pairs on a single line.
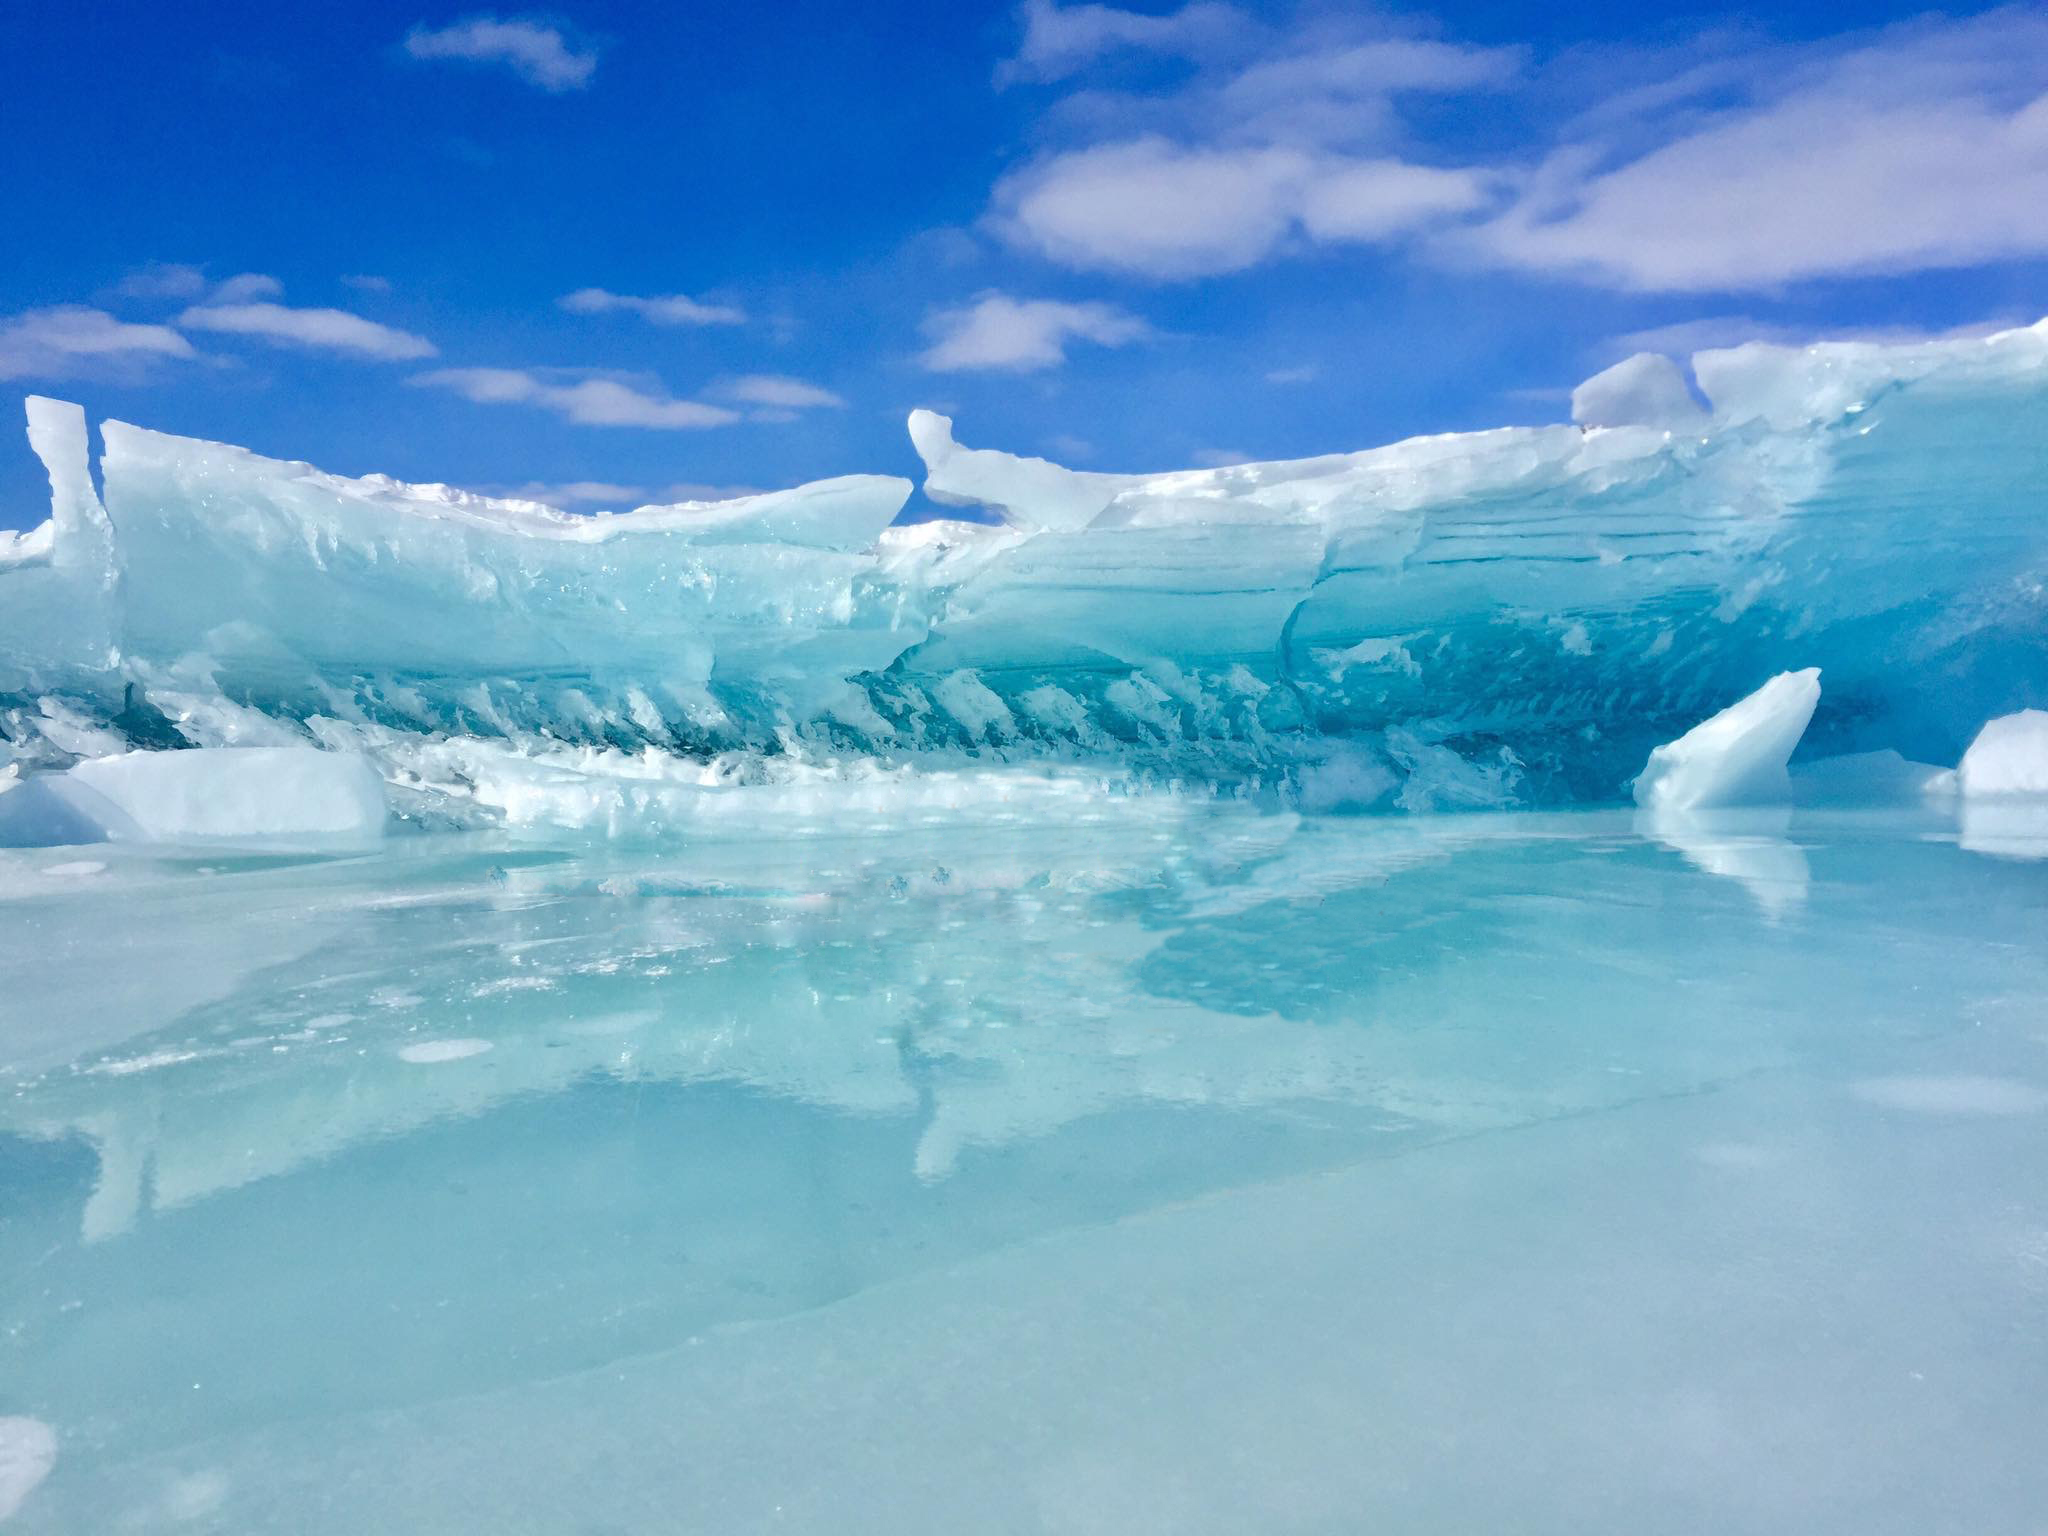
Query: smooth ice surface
[[1475, 620], [2009, 757], [1072, 1164], [218, 792], [1737, 757]]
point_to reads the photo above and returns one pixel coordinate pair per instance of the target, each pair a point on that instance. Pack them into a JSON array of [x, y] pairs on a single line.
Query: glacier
[[1485, 619]]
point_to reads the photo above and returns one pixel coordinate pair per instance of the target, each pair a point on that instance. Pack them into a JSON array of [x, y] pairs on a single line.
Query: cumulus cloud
[[662, 309], [326, 330], [997, 332], [1922, 147], [71, 341], [1164, 210], [779, 390], [587, 401], [539, 54]]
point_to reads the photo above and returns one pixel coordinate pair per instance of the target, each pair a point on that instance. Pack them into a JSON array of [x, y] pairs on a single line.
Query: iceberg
[[1507, 617]]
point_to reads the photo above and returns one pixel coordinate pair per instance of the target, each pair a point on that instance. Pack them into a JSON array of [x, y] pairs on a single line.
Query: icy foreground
[[1487, 619], [1152, 1165]]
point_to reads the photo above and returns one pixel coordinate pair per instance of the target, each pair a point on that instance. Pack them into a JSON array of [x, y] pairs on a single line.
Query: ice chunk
[[1031, 493], [2009, 757], [57, 580], [1737, 757], [224, 792], [1646, 390]]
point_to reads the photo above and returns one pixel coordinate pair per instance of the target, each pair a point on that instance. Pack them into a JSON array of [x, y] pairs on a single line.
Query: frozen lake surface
[[1130, 1165]]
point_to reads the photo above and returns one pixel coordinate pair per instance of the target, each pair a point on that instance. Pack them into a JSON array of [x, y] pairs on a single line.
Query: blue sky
[[613, 253]]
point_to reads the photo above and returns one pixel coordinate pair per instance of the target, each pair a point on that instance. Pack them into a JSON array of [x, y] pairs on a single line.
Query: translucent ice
[[1477, 619]]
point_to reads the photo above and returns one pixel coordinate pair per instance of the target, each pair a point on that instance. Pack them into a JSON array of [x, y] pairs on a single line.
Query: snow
[[1737, 757], [2009, 757], [222, 792]]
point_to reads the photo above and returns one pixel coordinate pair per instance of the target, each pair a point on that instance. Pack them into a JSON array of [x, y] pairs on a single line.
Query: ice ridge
[[1469, 619]]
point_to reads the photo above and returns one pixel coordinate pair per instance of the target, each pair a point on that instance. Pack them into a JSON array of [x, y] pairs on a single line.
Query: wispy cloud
[[592, 401], [662, 309], [1166, 210], [1727, 164], [1921, 147], [163, 280], [325, 330], [71, 341], [997, 332], [779, 390], [365, 283], [1060, 39], [536, 52], [1280, 137]]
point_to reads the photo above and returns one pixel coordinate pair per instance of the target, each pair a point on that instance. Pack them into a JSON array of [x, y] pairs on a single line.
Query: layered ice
[[1471, 620]]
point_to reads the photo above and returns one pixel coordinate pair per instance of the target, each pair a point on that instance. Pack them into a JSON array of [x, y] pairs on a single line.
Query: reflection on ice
[[1748, 845], [466, 1119]]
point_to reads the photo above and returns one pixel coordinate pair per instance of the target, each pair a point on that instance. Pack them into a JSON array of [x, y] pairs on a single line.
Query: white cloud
[[662, 309], [1723, 164], [71, 341], [1163, 210], [1059, 39], [1220, 458], [588, 401], [327, 330], [366, 283], [244, 287], [1021, 335], [1280, 138], [1307, 373], [537, 53], [1920, 148], [775, 389]]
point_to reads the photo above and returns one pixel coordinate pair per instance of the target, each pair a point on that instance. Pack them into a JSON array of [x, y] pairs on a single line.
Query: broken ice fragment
[[1737, 757], [2009, 757]]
